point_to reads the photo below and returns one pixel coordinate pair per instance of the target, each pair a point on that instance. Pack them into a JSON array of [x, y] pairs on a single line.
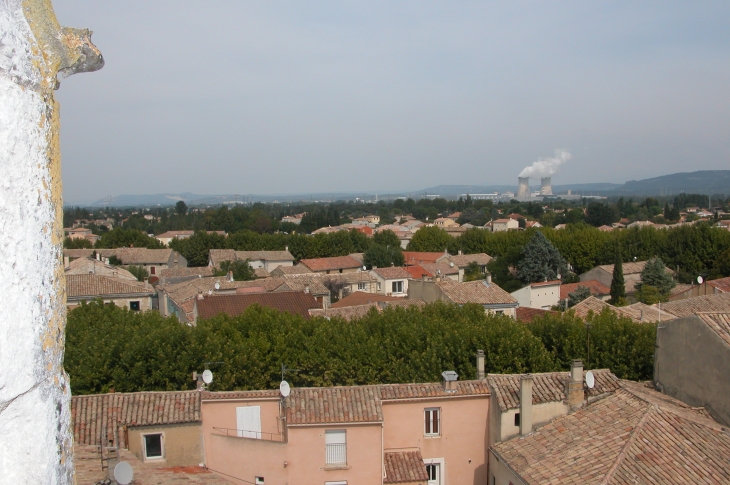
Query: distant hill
[[702, 182]]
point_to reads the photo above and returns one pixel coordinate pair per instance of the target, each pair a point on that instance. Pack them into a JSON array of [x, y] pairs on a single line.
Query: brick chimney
[[575, 384], [525, 405], [480, 365], [450, 378]]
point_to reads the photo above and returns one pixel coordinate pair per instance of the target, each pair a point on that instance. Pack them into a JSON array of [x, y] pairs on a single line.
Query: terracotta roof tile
[[597, 288], [547, 387], [443, 268], [690, 306], [330, 264], [463, 260], [391, 273], [224, 395], [637, 312], [290, 270], [356, 404], [416, 257], [298, 303], [479, 292], [92, 266], [526, 314], [404, 466], [93, 285], [98, 415], [722, 284], [362, 298], [393, 392], [635, 435]]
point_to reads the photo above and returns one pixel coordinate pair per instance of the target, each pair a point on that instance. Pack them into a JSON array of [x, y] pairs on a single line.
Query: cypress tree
[[618, 286]]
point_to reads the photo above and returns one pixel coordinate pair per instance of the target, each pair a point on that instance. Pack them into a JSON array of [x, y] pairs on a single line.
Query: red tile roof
[[597, 288], [330, 264], [298, 303], [719, 323], [526, 314], [634, 435], [418, 272], [547, 387], [104, 414], [404, 466], [690, 306], [356, 404], [479, 292], [416, 257], [362, 298], [722, 284], [394, 392]]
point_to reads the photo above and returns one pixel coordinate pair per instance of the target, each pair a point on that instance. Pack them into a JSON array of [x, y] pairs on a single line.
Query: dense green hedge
[[111, 347]]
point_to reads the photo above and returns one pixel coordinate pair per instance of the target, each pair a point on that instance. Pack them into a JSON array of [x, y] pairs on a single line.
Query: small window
[[361, 286], [378, 285], [397, 287], [152, 270], [517, 419], [432, 418], [259, 481], [152, 446], [432, 471], [336, 446], [134, 306]]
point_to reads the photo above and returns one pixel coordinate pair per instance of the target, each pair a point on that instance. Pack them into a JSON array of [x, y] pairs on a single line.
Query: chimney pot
[[450, 377], [526, 405], [576, 394]]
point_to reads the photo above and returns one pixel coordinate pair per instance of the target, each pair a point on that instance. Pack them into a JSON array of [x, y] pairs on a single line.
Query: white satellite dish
[[700, 280], [207, 376], [590, 380], [451, 264], [364, 268], [217, 286], [284, 388], [123, 473]]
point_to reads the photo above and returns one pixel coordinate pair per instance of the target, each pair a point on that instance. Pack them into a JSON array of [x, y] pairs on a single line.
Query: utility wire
[[235, 478]]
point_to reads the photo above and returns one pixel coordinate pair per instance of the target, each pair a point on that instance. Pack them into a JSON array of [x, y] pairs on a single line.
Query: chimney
[[460, 252], [230, 276], [480, 365], [66, 262], [98, 257], [146, 283], [526, 405], [575, 384], [489, 278], [450, 378], [523, 187], [200, 295], [286, 248], [546, 186]]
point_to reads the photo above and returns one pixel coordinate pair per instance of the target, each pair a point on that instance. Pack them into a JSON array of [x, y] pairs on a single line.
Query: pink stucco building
[[433, 433]]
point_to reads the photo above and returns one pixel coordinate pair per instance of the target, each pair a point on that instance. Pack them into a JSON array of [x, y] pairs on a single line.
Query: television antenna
[[590, 380], [284, 370], [285, 389], [123, 473]]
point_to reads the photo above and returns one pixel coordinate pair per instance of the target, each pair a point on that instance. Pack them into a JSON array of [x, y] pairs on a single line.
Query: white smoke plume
[[546, 167]]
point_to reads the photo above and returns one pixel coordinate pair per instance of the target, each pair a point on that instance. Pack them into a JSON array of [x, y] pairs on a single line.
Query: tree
[[580, 294], [196, 248], [76, 243], [655, 278], [139, 272], [618, 285], [386, 238], [430, 239], [181, 207], [127, 238], [242, 270], [721, 266], [540, 261], [473, 272], [381, 256], [598, 214]]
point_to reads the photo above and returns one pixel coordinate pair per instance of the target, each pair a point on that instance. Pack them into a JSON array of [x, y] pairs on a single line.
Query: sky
[[272, 97]]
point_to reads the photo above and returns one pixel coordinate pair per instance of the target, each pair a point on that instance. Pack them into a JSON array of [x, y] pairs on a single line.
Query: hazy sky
[[275, 97]]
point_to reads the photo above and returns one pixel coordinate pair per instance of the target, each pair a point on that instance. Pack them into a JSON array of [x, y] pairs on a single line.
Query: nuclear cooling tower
[[523, 189], [546, 186]]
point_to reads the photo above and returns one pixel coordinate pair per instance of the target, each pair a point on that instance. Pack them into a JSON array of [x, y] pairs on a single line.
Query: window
[[259, 481], [152, 446], [433, 471], [336, 447], [378, 285], [134, 306], [432, 421], [152, 270], [248, 422], [517, 419], [397, 287], [361, 286]]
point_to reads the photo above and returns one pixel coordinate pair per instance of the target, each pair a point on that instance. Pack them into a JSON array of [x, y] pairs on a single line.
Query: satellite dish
[[207, 376], [217, 286], [451, 264], [700, 280], [364, 268], [123, 473], [284, 388], [590, 380]]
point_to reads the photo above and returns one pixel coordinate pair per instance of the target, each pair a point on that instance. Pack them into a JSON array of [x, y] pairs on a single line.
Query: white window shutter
[[248, 421]]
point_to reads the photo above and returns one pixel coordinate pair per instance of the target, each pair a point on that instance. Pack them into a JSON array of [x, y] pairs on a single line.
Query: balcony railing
[[336, 453], [254, 435]]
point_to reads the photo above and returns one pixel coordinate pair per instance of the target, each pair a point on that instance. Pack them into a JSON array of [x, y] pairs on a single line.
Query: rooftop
[[479, 292], [330, 264], [596, 287], [362, 298], [94, 285], [404, 466], [547, 387], [463, 260], [690, 306], [634, 435], [297, 303], [391, 273]]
